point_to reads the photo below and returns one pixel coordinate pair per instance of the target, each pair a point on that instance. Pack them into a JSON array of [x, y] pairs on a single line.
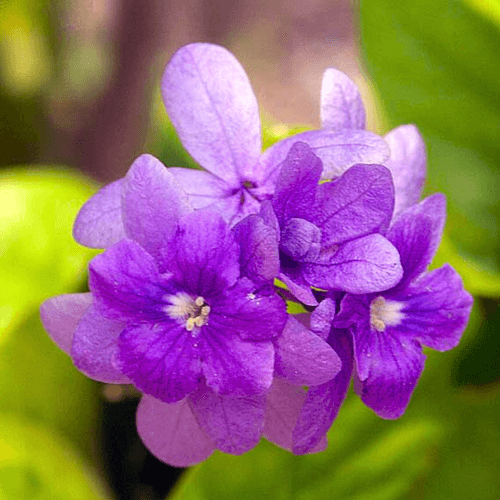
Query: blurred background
[[79, 101]]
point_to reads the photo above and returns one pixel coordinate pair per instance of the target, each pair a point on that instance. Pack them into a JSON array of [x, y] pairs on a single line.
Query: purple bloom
[[213, 108], [183, 307], [329, 233], [342, 112], [379, 336]]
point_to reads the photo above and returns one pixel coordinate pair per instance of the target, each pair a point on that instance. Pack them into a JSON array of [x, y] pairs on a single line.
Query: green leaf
[[36, 464], [39, 259], [38, 256], [39, 381], [437, 64], [366, 458]]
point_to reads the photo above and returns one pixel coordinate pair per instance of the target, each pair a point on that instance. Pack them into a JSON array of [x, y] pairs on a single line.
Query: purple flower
[[379, 336], [214, 110], [329, 233], [342, 112], [183, 307]]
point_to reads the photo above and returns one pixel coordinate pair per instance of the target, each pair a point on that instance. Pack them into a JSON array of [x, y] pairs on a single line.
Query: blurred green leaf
[[437, 64], [39, 381], [366, 458], [38, 256], [39, 259], [37, 465]]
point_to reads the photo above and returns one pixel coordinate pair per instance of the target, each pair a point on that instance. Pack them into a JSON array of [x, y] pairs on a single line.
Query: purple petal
[[322, 318], [338, 151], [303, 358], [95, 346], [60, 316], [235, 424], [204, 256], [162, 359], [99, 222], [284, 402], [259, 257], [235, 366], [236, 207], [323, 403], [300, 240], [125, 283], [436, 309], [202, 188], [269, 216], [359, 203], [299, 288], [297, 183], [416, 234], [153, 202], [251, 312], [365, 265], [214, 110], [171, 433], [407, 164], [388, 367], [341, 104]]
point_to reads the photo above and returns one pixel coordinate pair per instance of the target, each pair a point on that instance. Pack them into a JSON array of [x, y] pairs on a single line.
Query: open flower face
[[379, 336], [183, 307]]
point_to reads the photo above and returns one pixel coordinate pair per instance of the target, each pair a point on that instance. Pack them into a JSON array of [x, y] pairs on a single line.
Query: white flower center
[[188, 311], [385, 313]]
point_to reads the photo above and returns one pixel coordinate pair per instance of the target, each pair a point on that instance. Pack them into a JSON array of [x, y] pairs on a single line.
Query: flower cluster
[[184, 302]]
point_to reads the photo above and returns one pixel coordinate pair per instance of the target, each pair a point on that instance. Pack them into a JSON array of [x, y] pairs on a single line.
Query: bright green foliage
[[437, 64], [38, 256], [36, 465], [46, 406]]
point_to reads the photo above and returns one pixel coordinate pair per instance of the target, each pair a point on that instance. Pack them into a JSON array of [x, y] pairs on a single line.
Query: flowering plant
[[184, 303]]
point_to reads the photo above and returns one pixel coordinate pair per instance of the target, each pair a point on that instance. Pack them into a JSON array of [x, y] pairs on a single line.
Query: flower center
[[189, 311], [385, 313]]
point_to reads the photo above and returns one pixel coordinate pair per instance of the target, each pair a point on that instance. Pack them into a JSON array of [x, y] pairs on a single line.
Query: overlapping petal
[[99, 222], [95, 345], [303, 358], [259, 254], [235, 366], [60, 316], [365, 265], [298, 286], [203, 188], [323, 402], [416, 233], [295, 192], [407, 164], [234, 423], [338, 151], [152, 204], [359, 203], [214, 110], [284, 402], [341, 104], [171, 432]]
